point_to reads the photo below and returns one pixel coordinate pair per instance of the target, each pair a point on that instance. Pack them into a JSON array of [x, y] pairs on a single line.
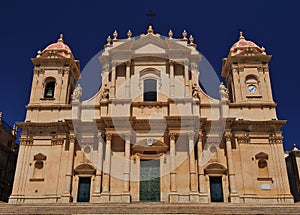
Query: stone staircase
[[149, 208]]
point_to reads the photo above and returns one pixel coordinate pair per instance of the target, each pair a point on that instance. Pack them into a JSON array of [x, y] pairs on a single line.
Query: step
[[149, 208]]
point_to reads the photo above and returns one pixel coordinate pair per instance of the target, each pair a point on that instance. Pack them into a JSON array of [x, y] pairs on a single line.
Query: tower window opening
[[49, 89]]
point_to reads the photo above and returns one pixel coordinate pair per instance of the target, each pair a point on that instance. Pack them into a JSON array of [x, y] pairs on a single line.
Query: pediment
[[85, 169], [251, 51], [215, 168], [150, 49], [40, 156], [52, 54], [261, 155], [145, 145]]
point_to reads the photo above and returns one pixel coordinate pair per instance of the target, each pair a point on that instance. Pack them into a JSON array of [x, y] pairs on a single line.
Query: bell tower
[[55, 74], [246, 71]]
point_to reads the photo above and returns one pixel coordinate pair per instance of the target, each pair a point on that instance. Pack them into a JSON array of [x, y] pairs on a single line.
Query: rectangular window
[[150, 90]]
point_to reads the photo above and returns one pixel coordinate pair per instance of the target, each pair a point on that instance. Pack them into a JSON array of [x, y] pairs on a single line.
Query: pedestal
[[173, 197]]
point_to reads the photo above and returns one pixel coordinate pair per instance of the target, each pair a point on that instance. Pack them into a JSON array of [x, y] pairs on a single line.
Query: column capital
[[185, 62], [128, 63], [108, 136], [72, 138], [127, 136], [114, 63], [200, 133], [172, 135], [191, 135], [228, 135], [172, 62]]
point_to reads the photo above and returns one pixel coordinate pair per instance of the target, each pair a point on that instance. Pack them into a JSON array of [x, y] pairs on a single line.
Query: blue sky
[[27, 26]]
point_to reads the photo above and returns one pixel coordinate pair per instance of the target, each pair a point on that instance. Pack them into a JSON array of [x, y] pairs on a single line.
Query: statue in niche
[[105, 92], [223, 91], [77, 93], [195, 91]]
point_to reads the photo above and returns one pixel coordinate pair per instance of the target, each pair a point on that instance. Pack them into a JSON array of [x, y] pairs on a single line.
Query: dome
[[61, 48], [239, 46]]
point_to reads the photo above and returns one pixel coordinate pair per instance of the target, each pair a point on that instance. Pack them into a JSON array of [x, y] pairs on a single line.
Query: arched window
[[150, 90], [49, 89]]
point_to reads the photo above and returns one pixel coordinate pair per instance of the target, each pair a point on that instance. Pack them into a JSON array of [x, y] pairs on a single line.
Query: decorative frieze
[[57, 140], [274, 138], [27, 141], [243, 139]]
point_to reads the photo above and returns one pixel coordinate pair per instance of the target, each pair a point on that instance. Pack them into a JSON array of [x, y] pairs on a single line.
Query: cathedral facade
[[151, 133]]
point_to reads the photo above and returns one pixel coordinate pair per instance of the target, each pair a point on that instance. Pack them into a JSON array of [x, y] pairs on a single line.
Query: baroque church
[[151, 133]]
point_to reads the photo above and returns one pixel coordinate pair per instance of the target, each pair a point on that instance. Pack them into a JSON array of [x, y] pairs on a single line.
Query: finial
[[241, 35], [115, 35], [192, 41], [184, 34], [129, 34], [150, 29], [39, 52], [170, 34], [60, 38], [108, 41], [295, 148]]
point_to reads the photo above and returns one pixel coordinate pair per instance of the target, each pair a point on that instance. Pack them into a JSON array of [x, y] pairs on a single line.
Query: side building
[[8, 158], [293, 167]]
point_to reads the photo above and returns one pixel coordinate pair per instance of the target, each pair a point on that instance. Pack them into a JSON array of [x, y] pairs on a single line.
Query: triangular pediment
[[151, 49]]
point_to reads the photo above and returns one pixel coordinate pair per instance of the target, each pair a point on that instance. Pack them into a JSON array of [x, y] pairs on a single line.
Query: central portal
[[150, 181]]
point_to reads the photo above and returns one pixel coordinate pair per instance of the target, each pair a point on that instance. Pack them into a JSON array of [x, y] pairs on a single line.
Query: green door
[[150, 181]]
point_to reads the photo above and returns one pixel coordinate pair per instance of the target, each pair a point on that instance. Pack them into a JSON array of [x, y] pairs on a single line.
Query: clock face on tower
[[252, 88]]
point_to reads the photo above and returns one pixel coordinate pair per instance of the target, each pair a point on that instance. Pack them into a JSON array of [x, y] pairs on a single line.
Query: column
[[233, 193], [127, 163], [106, 170], [201, 180], [21, 163], [193, 184], [98, 178], [113, 81], [126, 191], [69, 171], [127, 85], [186, 79], [25, 168], [173, 162], [172, 86]]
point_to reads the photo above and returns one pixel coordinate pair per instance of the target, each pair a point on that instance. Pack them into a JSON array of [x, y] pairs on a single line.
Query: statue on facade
[[77, 93], [105, 92], [195, 91], [223, 91]]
